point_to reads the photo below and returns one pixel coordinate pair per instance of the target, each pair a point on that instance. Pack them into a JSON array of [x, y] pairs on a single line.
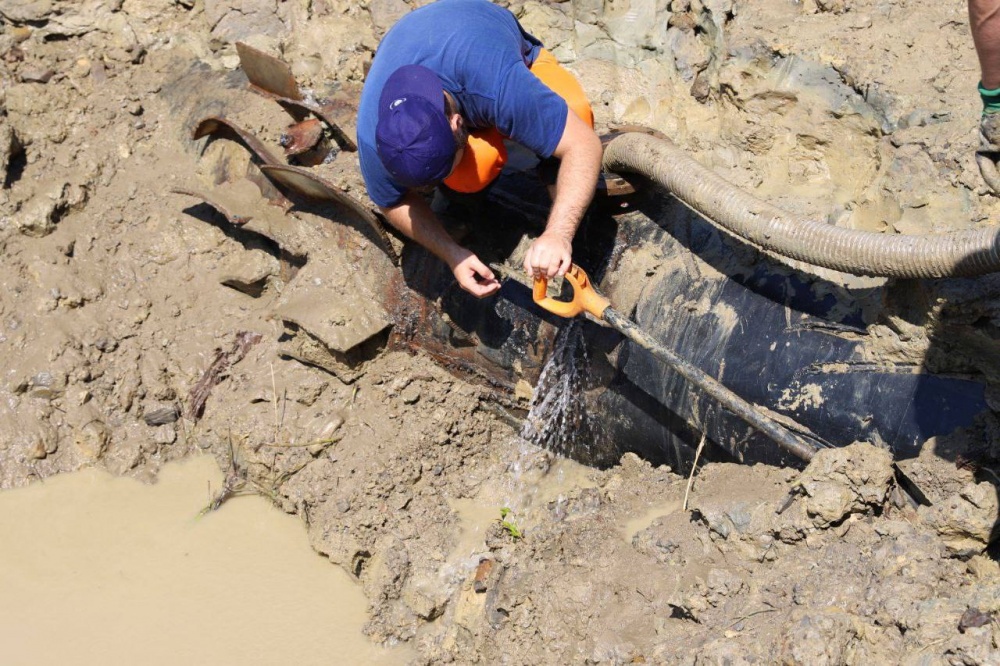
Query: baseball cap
[[413, 137]]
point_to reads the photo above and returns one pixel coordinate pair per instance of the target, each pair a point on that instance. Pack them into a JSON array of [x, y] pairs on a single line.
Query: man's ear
[[456, 121]]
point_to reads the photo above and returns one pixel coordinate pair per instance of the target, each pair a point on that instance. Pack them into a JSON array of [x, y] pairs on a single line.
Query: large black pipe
[[780, 436], [790, 342]]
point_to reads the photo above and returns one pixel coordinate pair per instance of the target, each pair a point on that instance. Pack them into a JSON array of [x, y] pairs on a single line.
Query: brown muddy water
[[96, 569]]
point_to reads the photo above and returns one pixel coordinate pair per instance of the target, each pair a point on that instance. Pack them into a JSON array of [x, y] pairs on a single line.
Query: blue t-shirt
[[482, 55]]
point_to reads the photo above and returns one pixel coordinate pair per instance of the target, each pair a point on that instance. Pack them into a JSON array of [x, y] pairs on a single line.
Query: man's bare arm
[[415, 219], [580, 153]]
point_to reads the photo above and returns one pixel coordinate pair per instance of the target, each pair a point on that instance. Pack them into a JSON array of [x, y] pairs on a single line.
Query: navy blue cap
[[413, 136]]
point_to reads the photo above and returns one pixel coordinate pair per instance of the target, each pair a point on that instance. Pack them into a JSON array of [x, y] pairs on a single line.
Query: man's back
[[482, 56]]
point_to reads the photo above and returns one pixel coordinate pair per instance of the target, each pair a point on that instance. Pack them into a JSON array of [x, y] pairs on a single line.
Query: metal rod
[[734, 403]]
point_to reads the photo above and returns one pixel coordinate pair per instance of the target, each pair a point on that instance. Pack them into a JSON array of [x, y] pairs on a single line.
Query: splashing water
[[559, 419]]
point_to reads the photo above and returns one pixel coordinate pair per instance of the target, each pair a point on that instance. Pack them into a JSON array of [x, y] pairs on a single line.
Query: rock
[[36, 75], [37, 450], [684, 21], [24, 11], [411, 394], [88, 17], [385, 13], [832, 6], [38, 217], [701, 88], [328, 432], [106, 344], [44, 385], [165, 434], [41, 442], [91, 440], [691, 54], [726, 520], [161, 415], [965, 520], [846, 480], [235, 20]]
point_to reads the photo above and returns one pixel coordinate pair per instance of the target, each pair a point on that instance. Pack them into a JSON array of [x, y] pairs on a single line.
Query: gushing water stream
[[558, 418]]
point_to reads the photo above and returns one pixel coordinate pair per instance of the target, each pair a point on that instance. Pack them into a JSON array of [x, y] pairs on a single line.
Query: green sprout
[[509, 525]]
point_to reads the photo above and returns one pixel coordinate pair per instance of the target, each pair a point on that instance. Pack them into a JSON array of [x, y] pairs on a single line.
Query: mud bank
[[119, 298]]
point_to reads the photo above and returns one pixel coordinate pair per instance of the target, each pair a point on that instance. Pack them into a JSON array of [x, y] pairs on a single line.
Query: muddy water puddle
[[96, 569], [653, 512]]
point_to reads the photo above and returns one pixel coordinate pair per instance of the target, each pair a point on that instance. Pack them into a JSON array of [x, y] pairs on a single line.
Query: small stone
[[700, 89], [972, 618], [161, 415], [482, 574], [411, 394], [15, 54], [81, 68], [32, 75], [37, 450], [20, 33], [343, 505], [135, 108], [165, 434], [92, 440], [684, 21], [329, 430]]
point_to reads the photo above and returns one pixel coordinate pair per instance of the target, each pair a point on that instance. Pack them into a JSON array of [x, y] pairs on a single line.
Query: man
[[449, 81]]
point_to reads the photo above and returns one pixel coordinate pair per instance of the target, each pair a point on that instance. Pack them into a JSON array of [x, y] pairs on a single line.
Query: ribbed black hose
[[961, 253]]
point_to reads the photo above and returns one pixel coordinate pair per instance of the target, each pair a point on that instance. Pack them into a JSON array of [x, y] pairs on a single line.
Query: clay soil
[[114, 305]]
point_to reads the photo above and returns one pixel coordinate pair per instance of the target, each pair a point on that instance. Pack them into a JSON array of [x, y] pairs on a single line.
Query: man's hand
[[474, 276], [414, 218], [549, 256], [580, 152]]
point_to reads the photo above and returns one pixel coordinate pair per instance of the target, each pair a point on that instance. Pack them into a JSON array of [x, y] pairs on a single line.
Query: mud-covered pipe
[[962, 253]]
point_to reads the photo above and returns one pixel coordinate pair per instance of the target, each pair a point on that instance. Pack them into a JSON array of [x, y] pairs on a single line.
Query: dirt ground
[[114, 305]]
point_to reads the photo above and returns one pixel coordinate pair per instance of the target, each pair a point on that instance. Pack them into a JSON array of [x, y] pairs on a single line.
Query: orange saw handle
[[585, 297]]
